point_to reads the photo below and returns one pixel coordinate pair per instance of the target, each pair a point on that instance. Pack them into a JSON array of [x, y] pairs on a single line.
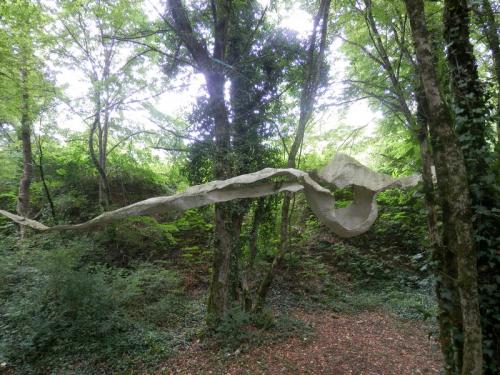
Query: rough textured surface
[[370, 343], [342, 171]]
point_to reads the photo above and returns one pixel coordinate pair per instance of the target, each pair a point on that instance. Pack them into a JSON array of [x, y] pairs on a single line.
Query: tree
[[454, 193], [312, 69], [489, 25], [468, 95], [24, 80], [89, 34], [471, 114], [384, 70], [227, 221], [258, 68]]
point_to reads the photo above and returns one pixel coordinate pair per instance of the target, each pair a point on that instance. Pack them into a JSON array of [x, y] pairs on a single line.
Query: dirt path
[[365, 344]]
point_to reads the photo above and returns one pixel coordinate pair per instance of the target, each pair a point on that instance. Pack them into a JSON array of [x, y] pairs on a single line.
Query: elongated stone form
[[342, 171]]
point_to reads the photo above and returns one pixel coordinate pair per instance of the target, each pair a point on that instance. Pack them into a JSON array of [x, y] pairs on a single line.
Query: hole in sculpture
[[344, 197]]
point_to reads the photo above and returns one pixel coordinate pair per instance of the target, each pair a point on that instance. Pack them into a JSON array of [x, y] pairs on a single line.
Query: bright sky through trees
[[182, 93]]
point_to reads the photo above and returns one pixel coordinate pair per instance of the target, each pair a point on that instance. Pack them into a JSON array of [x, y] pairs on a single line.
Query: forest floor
[[335, 308], [367, 343]]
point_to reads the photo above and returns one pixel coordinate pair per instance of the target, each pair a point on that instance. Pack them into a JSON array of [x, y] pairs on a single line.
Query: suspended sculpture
[[342, 171]]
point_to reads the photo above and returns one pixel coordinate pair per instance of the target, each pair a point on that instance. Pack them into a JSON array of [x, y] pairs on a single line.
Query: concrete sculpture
[[342, 171]]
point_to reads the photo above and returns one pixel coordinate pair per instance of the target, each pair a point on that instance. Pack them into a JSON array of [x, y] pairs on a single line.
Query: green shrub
[[408, 303], [60, 312], [155, 295], [59, 307], [241, 329], [136, 238], [194, 236], [234, 330], [145, 239], [7, 202]]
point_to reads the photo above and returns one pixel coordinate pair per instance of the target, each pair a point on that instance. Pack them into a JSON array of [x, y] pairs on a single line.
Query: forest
[[250, 187]]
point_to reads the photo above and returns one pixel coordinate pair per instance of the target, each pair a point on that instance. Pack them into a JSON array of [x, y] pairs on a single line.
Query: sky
[[176, 102]]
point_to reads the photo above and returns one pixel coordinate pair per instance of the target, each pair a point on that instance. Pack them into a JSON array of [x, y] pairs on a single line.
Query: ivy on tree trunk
[[454, 193]]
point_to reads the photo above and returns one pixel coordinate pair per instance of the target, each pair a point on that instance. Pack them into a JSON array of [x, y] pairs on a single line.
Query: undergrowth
[[119, 301], [387, 268], [59, 312], [241, 330]]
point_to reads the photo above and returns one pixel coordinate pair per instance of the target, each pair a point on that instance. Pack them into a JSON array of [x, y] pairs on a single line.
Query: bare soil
[[368, 343]]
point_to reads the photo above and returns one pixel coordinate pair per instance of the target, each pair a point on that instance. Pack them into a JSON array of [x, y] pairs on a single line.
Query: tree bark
[[23, 199], [104, 189], [471, 123], [103, 124], [468, 95], [454, 192], [445, 268], [249, 276]]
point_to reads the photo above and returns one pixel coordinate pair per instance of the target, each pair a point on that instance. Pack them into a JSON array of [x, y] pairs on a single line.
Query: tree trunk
[[489, 26], [266, 282], [471, 114], [23, 199], [454, 192], [227, 221], [100, 126], [226, 227], [249, 276], [42, 177], [104, 189], [468, 94], [103, 178], [445, 268]]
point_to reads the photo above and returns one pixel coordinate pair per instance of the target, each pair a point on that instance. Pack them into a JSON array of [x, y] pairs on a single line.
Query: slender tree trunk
[[42, 177], [103, 179], [100, 126], [445, 268], [309, 89], [427, 179], [266, 282], [104, 189], [489, 25], [254, 232], [454, 192], [23, 199], [249, 276]]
